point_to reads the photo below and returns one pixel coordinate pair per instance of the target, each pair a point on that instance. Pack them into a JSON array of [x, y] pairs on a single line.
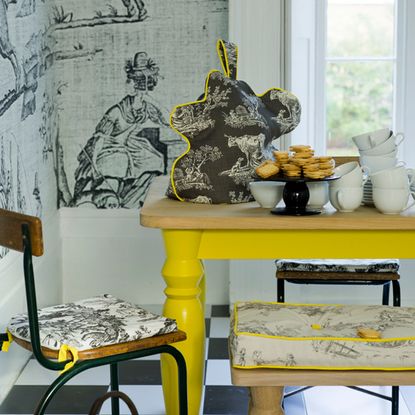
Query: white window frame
[[320, 82], [244, 26]]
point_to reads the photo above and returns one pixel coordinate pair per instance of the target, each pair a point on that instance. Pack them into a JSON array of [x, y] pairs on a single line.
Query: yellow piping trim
[[290, 304], [65, 353], [225, 66], [324, 368], [267, 336], [350, 339], [6, 344]]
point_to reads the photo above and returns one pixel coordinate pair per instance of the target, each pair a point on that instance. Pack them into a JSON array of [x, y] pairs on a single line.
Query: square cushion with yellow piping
[[227, 132], [91, 323], [309, 336]]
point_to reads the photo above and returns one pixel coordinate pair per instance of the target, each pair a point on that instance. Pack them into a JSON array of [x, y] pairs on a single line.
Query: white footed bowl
[[267, 194]]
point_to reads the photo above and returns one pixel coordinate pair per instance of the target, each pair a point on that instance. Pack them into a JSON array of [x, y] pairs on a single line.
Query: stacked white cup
[[378, 151], [391, 189], [346, 193]]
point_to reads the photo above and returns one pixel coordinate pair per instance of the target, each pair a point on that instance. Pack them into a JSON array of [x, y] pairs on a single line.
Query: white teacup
[[371, 139], [351, 175], [396, 177], [346, 199], [376, 163], [391, 154], [267, 194], [392, 201], [388, 147], [319, 194]]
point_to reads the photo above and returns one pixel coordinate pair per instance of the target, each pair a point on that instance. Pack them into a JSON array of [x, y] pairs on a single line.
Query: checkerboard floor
[[140, 379]]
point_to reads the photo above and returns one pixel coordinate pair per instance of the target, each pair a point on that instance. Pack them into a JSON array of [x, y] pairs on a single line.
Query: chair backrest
[[23, 233], [11, 235]]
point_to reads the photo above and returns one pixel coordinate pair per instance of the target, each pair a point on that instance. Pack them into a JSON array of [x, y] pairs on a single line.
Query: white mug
[[371, 139], [319, 194], [351, 175], [395, 177], [411, 176], [376, 163], [346, 199], [389, 147], [392, 201], [391, 154]]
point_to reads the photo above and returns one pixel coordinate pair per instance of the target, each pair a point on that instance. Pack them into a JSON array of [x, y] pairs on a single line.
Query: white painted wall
[[12, 301], [107, 251]]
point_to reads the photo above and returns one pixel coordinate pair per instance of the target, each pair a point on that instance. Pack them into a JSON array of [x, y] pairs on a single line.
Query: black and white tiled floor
[[140, 379]]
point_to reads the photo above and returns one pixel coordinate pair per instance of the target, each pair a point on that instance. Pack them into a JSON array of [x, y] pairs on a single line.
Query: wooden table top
[[164, 213]]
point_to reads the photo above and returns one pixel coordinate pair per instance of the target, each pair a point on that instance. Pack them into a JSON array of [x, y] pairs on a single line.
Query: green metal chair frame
[[82, 365]]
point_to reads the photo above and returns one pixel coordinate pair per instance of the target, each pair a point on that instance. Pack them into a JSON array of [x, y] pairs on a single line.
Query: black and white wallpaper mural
[[86, 88]]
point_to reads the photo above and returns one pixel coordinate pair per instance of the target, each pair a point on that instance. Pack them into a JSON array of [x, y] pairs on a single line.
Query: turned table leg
[[184, 276], [266, 400]]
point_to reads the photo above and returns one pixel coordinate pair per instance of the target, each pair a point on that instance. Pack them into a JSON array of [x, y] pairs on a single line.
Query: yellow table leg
[[183, 273]]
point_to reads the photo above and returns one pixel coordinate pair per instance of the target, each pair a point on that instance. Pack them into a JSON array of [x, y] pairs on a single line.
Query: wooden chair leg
[[266, 400]]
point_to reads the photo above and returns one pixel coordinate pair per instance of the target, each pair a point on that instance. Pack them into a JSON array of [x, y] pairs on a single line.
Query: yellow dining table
[[194, 232]]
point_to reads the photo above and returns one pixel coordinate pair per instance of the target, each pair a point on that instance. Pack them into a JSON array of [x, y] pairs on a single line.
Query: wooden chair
[[340, 272], [253, 343], [343, 272], [109, 330]]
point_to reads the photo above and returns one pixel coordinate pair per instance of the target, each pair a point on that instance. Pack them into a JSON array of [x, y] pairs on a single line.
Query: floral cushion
[[91, 323], [292, 336], [338, 265]]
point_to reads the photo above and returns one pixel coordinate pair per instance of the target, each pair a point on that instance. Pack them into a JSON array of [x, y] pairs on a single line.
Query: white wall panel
[[108, 251]]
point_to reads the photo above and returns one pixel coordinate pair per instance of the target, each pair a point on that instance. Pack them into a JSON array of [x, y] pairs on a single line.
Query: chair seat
[[292, 336], [338, 265], [92, 323]]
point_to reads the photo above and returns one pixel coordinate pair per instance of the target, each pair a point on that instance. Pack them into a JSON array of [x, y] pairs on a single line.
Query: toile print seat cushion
[[338, 265], [308, 336], [92, 323]]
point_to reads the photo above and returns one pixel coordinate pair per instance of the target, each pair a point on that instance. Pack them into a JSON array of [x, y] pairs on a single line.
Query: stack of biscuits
[[298, 162]]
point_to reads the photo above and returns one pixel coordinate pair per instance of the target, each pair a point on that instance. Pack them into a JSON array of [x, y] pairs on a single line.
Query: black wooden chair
[[85, 334]]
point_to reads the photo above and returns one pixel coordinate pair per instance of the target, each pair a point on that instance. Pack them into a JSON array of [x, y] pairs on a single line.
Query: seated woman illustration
[[119, 161]]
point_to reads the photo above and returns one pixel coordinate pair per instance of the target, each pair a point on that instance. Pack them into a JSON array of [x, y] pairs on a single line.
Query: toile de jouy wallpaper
[[86, 88]]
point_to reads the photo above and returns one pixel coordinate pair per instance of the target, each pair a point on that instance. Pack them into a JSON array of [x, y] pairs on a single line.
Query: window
[[345, 70], [290, 42]]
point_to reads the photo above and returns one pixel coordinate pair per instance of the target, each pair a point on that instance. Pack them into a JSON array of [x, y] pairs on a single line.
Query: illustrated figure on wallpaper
[[119, 161], [36, 194], [13, 180], [64, 19], [6, 185], [35, 56], [135, 8], [27, 7], [7, 51]]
